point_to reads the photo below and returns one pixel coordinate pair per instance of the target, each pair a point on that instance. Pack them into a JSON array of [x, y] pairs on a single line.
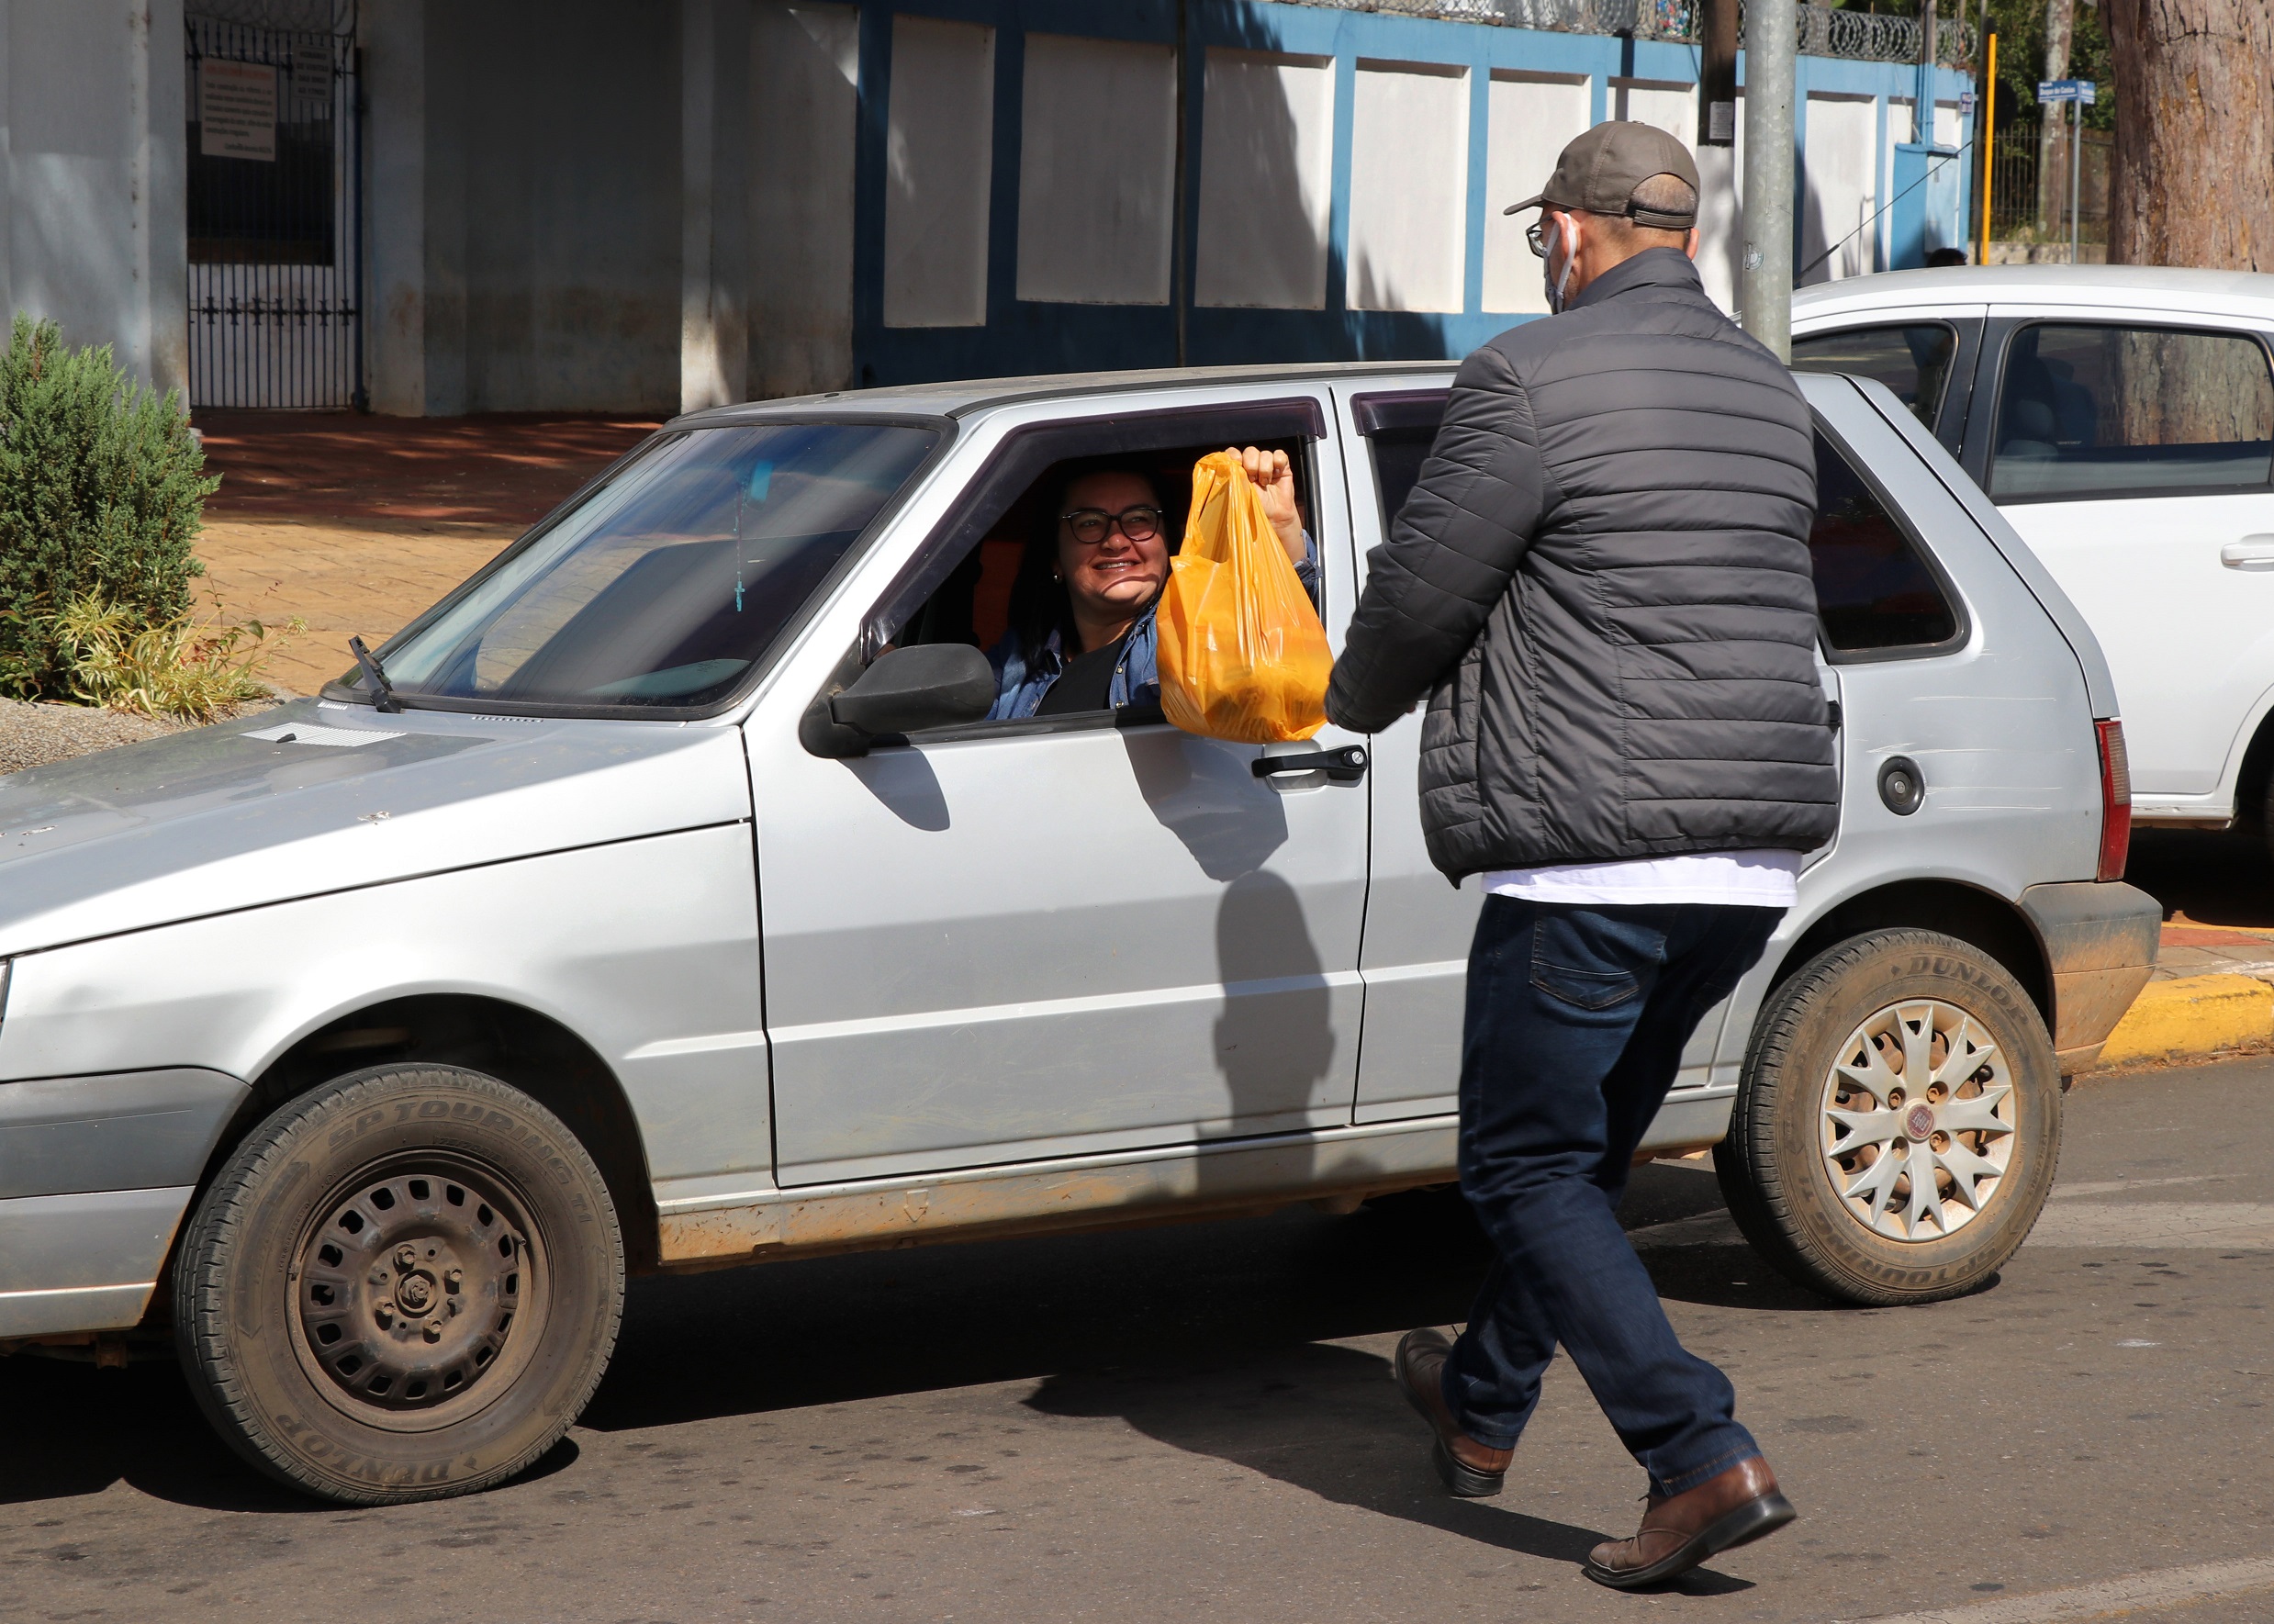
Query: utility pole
[[1764, 272]]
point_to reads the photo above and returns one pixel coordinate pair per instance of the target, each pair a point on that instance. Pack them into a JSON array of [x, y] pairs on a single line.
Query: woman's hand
[[1274, 476]]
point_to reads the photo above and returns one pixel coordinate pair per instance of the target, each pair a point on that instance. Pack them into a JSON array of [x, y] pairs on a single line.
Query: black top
[[1086, 683], [1602, 581]]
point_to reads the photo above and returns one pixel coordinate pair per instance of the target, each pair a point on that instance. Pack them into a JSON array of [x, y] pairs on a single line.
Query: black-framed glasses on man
[[1090, 525], [1536, 235]]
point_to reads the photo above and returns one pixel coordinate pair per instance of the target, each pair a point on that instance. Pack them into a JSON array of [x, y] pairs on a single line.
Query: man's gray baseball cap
[[1598, 172]]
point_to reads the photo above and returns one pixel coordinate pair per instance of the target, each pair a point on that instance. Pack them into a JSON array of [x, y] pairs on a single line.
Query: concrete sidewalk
[[355, 524]]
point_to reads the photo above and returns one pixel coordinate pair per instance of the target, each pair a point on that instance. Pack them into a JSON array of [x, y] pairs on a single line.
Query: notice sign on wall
[[237, 110]]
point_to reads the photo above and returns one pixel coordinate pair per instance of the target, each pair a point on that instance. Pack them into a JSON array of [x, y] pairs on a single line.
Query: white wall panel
[[1409, 187], [1266, 181], [1721, 217], [1661, 103], [804, 97], [939, 146], [1840, 187], [1097, 171], [1529, 123]]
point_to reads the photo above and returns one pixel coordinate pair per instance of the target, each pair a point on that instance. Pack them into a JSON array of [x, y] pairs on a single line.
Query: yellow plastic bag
[[1242, 654]]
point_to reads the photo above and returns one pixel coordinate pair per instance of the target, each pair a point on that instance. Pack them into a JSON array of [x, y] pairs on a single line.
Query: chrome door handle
[[1346, 766], [2251, 552]]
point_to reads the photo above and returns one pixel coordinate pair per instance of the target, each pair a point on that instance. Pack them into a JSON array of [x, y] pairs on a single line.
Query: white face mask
[[1567, 238]]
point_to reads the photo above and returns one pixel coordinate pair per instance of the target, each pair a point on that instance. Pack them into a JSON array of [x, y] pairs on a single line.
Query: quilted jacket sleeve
[[1451, 552]]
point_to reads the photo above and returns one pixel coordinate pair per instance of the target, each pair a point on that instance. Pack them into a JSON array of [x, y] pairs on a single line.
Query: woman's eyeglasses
[[1090, 525]]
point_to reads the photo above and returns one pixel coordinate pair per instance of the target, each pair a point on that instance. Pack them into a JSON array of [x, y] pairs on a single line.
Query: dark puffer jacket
[[1602, 581]]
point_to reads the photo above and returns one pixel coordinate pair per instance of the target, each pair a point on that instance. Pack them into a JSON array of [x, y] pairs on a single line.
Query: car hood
[[320, 797]]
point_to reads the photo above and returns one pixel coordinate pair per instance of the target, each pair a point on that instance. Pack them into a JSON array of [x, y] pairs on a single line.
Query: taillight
[[2115, 800]]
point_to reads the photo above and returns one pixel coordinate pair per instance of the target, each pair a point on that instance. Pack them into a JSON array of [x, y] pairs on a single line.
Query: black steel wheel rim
[[419, 1290]]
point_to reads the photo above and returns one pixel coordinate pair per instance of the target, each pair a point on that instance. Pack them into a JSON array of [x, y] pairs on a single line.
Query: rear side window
[[1398, 456], [1913, 360], [2101, 411], [1874, 592]]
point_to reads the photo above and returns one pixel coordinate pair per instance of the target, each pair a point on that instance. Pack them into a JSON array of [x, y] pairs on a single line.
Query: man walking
[[1601, 581]]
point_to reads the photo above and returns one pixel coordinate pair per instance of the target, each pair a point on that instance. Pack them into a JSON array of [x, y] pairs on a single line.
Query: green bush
[[102, 487]]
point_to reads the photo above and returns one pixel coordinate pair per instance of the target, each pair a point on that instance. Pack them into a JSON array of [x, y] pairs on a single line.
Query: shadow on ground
[[2210, 878], [1142, 1308], [1329, 1421]]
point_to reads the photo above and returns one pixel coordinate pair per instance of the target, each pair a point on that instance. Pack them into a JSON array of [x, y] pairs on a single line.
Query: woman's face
[[1113, 577]]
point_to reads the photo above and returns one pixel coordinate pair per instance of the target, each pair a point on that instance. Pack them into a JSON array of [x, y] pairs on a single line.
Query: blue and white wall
[[1013, 174], [617, 205]]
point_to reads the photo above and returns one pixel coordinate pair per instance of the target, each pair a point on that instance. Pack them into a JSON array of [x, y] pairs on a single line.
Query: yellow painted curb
[[2194, 1015]]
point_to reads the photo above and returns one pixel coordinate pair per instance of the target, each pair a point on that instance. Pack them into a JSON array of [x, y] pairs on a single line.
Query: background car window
[[669, 581], [1914, 361], [1874, 591], [2096, 411]]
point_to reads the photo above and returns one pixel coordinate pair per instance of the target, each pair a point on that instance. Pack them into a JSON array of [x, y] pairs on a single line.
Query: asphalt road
[[1197, 1423]]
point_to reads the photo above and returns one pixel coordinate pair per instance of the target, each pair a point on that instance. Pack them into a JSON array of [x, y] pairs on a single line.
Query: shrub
[[171, 669], [101, 490]]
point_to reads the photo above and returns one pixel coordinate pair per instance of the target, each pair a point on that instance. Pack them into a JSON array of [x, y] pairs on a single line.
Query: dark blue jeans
[[1576, 1021]]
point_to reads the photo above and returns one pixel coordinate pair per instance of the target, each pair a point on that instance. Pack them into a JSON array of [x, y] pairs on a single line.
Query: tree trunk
[[2051, 130], [2194, 180]]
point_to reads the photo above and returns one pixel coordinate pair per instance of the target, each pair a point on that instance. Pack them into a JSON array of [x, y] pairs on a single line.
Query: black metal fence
[[2020, 210], [275, 237]]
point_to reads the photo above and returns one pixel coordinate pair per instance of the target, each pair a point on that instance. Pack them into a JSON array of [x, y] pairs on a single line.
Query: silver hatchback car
[[662, 900]]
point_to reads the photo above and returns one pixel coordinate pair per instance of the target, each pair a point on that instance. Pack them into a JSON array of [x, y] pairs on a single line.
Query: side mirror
[[908, 690]]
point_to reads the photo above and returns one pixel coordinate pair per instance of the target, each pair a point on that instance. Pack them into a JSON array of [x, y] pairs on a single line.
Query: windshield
[[669, 581]]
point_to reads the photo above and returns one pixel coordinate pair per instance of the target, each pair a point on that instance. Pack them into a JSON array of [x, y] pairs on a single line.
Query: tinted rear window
[[1874, 592]]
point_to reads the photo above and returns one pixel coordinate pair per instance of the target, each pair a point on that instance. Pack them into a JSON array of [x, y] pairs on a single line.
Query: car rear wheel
[[1898, 1125], [404, 1286]]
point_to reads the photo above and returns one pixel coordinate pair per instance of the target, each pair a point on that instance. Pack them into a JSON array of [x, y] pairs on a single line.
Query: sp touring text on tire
[[1895, 1132], [402, 1286]]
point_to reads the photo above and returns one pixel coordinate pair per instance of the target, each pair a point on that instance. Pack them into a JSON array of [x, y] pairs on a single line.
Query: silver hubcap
[[1918, 1121]]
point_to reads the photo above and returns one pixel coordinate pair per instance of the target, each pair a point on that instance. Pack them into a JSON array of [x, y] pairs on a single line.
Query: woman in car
[[1081, 633]]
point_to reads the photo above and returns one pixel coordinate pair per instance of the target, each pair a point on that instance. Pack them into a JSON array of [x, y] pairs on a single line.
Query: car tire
[[1843, 1097], [402, 1287]]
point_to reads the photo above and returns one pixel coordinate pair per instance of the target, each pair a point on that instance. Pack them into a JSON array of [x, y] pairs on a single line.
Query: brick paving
[[357, 523]]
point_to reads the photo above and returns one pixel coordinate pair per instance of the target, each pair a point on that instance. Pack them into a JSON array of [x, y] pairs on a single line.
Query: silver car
[[661, 899]]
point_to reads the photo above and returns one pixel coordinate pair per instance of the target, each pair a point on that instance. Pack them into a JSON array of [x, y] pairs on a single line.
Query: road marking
[[2163, 1587], [2207, 1226], [2126, 1186], [2151, 1226]]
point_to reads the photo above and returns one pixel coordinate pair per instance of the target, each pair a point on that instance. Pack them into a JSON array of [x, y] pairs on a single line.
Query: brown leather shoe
[[1732, 1508], [1470, 1468]]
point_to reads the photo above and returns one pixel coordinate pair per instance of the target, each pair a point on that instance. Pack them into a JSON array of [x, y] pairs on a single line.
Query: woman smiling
[[1081, 633]]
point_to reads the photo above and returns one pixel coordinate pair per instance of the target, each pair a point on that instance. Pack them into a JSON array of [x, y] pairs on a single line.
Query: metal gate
[[275, 214]]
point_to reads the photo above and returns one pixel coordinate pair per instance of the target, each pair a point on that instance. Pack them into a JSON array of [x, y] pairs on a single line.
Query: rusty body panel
[[2100, 941], [1165, 1185]]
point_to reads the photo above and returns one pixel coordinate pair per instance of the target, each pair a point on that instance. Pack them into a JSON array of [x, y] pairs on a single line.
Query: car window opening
[[1913, 360], [1874, 592], [1002, 597], [2087, 412]]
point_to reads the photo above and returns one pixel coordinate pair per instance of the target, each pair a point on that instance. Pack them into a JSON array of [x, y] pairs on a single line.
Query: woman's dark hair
[[1039, 603]]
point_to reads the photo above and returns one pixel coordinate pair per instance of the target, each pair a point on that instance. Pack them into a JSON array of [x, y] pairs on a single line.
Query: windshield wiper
[[375, 674]]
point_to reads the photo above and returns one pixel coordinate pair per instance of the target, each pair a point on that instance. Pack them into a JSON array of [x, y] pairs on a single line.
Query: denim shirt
[[1022, 679]]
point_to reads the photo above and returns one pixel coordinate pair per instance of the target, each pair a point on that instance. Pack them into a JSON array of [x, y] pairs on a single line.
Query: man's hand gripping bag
[[1242, 654]]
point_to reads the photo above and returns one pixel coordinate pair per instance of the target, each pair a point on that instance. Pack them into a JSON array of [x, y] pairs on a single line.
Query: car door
[[1415, 964], [2137, 458], [1067, 935]]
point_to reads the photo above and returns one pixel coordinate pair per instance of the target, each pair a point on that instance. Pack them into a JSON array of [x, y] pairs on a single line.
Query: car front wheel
[[404, 1286], [1896, 1129]]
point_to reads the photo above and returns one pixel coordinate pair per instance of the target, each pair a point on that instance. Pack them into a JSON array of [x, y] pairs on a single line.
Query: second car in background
[[2122, 419]]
